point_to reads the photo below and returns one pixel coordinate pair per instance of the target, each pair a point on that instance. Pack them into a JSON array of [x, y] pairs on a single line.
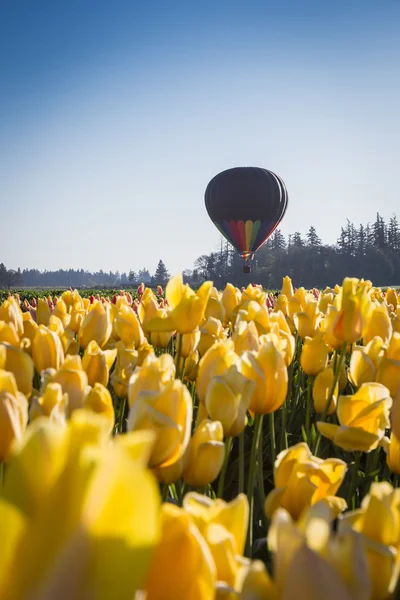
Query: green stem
[[272, 433], [308, 410], [328, 403], [241, 463], [121, 415], [252, 473], [283, 437], [221, 481], [261, 491], [164, 492], [353, 483], [178, 349]]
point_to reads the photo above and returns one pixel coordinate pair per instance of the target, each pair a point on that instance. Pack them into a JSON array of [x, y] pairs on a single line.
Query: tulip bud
[[43, 312], [205, 454], [321, 391], [379, 324], [392, 450], [20, 364], [127, 327], [354, 309], [160, 291], [99, 401], [95, 326], [287, 287], [52, 404], [189, 343], [13, 414], [230, 299], [47, 351], [391, 297], [97, 363], [314, 355], [73, 381]]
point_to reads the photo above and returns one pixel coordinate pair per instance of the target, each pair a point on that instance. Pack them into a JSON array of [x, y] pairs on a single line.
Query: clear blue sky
[[115, 115]]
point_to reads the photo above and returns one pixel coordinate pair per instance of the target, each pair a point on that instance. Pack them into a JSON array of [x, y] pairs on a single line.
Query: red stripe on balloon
[[242, 234], [236, 234]]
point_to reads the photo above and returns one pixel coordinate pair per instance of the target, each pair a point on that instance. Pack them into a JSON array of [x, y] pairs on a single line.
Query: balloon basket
[[246, 269]]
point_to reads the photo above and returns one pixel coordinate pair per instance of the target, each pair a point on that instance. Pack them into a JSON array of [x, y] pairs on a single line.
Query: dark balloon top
[[246, 204]]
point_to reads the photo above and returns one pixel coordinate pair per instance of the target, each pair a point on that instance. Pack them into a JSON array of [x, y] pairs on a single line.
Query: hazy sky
[[115, 115]]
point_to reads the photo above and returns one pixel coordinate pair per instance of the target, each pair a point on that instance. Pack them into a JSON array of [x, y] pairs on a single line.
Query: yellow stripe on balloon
[[249, 230]]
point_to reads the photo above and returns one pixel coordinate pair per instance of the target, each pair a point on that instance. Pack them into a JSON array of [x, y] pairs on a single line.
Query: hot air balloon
[[246, 204]]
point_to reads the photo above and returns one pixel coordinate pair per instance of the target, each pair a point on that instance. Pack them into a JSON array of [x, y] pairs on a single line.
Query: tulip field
[[200, 444]]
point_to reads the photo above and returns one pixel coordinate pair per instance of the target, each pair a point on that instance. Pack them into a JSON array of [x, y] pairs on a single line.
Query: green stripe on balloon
[[254, 233]]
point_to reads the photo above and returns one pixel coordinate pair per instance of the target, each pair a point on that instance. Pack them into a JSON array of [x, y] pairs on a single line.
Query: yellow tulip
[[8, 333], [211, 331], [228, 399], [393, 453], [314, 355], [353, 311], [13, 414], [302, 479], [253, 293], [192, 366], [151, 376], [182, 565], [205, 454], [363, 419], [20, 364], [186, 307], [281, 338], [322, 389], [77, 315], [168, 412], [245, 337], [307, 321], [268, 370], [393, 348], [99, 401], [282, 303], [47, 351], [231, 297], [388, 374], [327, 326], [97, 363], [233, 515], [30, 327], [95, 326], [365, 361], [189, 342], [74, 382], [97, 515], [252, 311], [215, 361], [391, 297], [324, 300], [52, 404], [215, 308], [127, 327], [287, 287], [379, 324], [61, 311], [43, 312], [10, 312]]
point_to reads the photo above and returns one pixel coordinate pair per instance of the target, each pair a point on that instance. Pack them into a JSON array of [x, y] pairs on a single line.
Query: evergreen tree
[[278, 242], [297, 240], [161, 275], [313, 240]]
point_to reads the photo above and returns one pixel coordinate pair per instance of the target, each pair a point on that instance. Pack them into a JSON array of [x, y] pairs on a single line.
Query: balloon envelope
[[246, 204]]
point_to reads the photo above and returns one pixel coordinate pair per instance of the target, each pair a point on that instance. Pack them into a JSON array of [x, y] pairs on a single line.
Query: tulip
[[391, 297], [168, 412], [301, 480], [30, 327], [253, 293], [393, 349], [287, 287], [215, 361], [20, 364], [314, 355], [245, 337], [87, 535], [363, 419], [322, 389], [47, 351], [354, 309], [144, 351], [8, 333], [192, 366], [182, 565], [228, 399], [258, 313], [43, 312], [151, 376], [10, 312], [13, 414], [211, 331], [61, 311], [186, 307], [379, 324], [127, 327], [205, 454], [215, 308], [307, 321], [364, 362], [281, 304], [388, 374], [52, 404], [268, 370], [189, 343], [99, 401], [97, 363], [230, 299], [392, 449], [327, 325], [74, 382], [95, 326], [324, 300], [233, 515]]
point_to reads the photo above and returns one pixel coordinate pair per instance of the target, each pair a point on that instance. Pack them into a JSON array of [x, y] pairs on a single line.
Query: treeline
[[371, 251]]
